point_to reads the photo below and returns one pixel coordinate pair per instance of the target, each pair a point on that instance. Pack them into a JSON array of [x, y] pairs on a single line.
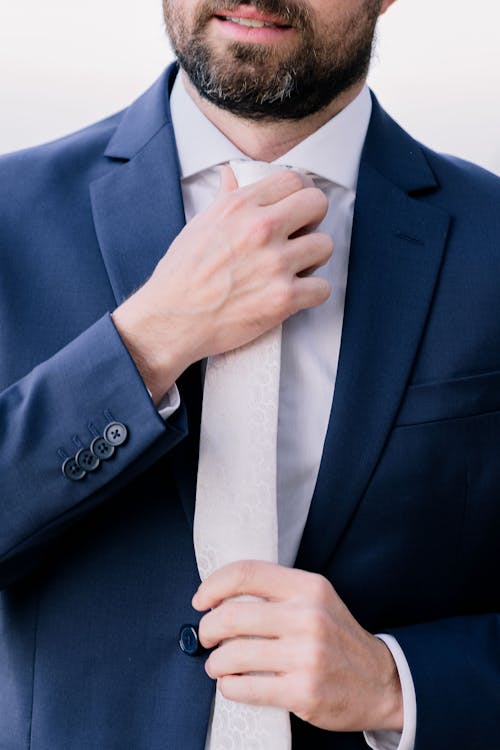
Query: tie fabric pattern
[[236, 508]]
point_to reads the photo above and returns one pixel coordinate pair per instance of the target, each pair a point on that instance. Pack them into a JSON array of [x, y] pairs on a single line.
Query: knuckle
[[225, 617], [319, 626], [321, 247], [284, 299], [277, 264], [205, 632], [321, 200], [224, 686], [261, 231], [320, 588], [230, 686], [325, 244], [302, 619], [226, 206], [244, 574], [211, 667], [293, 180], [235, 201], [324, 289]]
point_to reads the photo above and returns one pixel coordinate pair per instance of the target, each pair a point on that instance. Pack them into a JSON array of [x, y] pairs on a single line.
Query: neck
[[268, 140]]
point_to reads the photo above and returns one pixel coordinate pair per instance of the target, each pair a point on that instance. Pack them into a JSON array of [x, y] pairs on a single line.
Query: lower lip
[[263, 35]]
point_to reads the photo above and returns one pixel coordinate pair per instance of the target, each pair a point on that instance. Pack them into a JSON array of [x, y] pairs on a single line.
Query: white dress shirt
[[311, 338]]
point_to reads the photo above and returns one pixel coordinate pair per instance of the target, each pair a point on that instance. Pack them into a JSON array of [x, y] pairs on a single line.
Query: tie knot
[[247, 171]]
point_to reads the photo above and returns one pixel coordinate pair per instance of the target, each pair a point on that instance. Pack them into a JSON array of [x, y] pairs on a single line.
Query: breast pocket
[[451, 399]]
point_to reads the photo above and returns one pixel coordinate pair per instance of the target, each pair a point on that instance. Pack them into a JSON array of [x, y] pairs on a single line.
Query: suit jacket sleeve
[[61, 404], [455, 665]]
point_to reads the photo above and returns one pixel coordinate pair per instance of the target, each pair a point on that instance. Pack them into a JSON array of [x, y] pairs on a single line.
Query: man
[[391, 518]]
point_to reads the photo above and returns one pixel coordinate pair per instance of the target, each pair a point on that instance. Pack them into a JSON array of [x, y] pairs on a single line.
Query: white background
[[65, 64]]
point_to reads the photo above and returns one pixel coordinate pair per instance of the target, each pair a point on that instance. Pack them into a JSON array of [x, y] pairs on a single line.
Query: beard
[[265, 81]]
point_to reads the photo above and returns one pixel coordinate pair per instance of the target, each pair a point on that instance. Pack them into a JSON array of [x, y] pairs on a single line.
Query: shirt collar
[[332, 152]]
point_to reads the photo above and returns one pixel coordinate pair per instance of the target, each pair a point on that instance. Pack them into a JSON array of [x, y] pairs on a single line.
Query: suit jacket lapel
[[137, 205], [138, 211], [396, 253]]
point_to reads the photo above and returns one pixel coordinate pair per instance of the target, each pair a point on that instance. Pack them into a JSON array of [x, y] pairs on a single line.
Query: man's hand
[[233, 273], [312, 657]]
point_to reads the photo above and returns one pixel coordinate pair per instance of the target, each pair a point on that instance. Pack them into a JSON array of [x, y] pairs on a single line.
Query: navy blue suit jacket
[[97, 575]]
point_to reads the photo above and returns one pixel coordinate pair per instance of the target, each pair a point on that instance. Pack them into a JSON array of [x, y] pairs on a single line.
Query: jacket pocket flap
[[450, 399]]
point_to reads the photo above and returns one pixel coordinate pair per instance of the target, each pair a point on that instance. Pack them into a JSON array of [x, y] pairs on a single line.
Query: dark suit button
[[86, 460], [188, 640], [101, 448], [115, 433], [71, 470]]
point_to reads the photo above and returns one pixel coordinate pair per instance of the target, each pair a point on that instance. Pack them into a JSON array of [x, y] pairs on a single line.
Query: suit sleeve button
[[115, 433], [86, 460], [72, 470], [101, 448], [188, 640]]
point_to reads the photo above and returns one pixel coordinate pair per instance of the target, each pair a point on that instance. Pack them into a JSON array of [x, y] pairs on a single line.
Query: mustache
[[292, 12]]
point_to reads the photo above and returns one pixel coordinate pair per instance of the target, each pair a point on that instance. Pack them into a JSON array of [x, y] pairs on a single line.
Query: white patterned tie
[[236, 511]]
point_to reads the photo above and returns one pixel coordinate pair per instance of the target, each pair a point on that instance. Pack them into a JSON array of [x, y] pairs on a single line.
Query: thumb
[[228, 181]]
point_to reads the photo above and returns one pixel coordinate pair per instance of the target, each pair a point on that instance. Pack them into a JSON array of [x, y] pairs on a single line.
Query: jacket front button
[[188, 640]]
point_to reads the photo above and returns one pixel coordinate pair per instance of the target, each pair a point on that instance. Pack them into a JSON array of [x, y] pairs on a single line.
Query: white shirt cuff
[[392, 740], [169, 403]]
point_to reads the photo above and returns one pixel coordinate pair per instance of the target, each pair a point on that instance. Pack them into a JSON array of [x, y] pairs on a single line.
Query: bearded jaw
[[243, 81], [282, 82]]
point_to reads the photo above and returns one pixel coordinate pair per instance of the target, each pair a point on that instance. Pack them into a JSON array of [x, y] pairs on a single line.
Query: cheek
[[178, 17]]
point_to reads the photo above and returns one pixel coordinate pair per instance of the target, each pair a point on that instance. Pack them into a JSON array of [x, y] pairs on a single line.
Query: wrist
[[390, 694], [158, 360]]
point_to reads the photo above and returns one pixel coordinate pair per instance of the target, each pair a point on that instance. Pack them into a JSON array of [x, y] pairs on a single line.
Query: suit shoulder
[[451, 183], [48, 186], [470, 196], [38, 168], [463, 182]]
